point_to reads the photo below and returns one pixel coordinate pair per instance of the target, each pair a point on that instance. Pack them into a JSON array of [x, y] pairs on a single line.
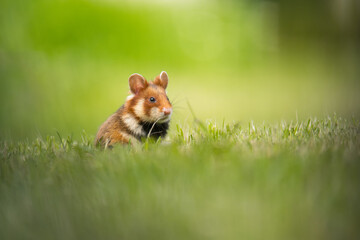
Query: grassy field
[[288, 180], [267, 172]]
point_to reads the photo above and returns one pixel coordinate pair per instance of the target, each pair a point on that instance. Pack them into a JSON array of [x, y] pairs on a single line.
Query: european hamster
[[146, 113]]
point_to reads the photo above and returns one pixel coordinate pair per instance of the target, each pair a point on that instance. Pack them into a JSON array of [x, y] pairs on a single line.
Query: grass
[[290, 180]]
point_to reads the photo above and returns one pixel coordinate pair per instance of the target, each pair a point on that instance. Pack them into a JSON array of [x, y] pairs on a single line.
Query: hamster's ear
[[137, 83], [162, 80]]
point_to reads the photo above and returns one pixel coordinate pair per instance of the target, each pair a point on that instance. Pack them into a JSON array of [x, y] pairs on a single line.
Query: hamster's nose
[[167, 111]]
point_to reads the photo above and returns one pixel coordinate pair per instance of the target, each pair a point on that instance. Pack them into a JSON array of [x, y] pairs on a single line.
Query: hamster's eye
[[152, 99]]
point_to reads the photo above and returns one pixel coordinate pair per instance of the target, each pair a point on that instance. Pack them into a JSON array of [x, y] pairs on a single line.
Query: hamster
[[146, 113]]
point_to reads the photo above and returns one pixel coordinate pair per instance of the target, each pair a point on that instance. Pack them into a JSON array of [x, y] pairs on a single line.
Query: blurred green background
[[64, 65]]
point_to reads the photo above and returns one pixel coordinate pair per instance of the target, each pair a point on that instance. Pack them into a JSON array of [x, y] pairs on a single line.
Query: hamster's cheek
[[155, 113], [139, 108]]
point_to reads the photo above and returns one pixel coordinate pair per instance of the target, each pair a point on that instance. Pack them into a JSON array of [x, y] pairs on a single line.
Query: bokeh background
[[64, 64]]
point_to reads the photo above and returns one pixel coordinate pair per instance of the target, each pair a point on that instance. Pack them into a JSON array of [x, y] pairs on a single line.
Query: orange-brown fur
[[139, 115]]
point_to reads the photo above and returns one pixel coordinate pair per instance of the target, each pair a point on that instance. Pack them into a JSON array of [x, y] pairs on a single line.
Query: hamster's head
[[149, 101]]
